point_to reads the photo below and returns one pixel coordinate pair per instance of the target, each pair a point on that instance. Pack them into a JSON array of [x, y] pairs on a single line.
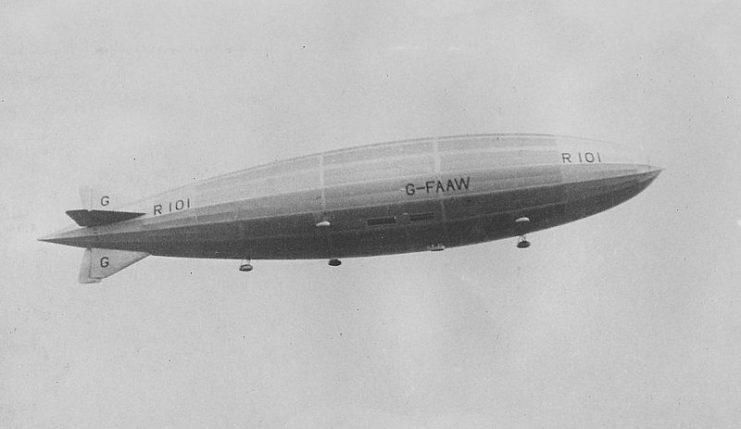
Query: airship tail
[[98, 264], [100, 217], [97, 209]]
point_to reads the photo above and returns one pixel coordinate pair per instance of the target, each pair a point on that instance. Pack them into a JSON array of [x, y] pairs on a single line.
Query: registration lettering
[[581, 158], [171, 206], [439, 186]]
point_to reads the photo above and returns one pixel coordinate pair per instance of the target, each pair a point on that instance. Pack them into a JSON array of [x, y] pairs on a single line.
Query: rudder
[[98, 264]]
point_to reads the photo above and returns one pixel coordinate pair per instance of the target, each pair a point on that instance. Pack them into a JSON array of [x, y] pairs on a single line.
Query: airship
[[417, 195]]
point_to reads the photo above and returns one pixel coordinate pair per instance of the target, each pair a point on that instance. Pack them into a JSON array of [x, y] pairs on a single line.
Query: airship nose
[[653, 169], [642, 160], [649, 172], [644, 171], [643, 165]]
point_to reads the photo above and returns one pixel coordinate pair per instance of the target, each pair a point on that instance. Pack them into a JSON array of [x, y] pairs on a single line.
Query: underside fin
[[98, 264], [100, 217]]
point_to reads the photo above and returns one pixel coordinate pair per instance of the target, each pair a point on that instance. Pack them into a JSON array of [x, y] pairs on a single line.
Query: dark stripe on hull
[[471, 219]]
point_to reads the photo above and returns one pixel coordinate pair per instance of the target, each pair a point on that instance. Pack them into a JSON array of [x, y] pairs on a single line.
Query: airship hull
[[398, 197]]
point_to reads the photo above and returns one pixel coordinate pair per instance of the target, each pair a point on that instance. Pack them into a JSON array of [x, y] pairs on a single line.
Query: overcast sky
[[630, 318]]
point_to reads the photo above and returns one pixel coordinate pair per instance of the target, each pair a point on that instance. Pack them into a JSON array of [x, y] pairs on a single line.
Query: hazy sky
[[630, 318]]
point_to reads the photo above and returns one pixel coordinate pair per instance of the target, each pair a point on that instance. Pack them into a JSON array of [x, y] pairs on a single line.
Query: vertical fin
[[98, 264], [85, 268], [94, 199]]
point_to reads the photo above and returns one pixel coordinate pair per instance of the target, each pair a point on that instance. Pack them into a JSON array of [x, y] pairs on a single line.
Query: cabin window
[[381, 221], [418, 217]]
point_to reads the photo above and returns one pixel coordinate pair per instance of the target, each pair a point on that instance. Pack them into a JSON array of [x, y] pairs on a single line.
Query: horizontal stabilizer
[[98, 264], [100, 217]]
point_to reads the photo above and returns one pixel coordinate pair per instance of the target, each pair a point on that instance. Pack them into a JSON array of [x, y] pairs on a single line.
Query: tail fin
[[98, 264], [97, 209], [100, 217], [94, 199]]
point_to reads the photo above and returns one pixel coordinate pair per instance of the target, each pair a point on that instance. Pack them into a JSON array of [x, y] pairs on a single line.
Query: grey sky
[[626, 319]]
